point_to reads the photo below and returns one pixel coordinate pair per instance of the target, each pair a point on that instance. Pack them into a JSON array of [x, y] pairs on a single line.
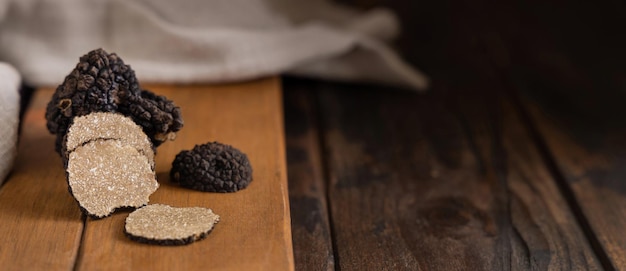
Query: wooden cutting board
[[41, 226]]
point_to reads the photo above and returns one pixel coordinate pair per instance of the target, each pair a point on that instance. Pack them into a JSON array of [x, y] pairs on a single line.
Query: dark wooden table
[[514, 160]]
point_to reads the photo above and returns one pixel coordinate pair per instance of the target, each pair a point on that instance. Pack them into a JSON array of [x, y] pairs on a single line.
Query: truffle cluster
[[107, 130], [101, 82], [212, 167]]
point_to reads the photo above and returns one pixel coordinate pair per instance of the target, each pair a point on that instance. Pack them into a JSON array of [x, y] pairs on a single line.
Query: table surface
[[43, 229], [514, 160]]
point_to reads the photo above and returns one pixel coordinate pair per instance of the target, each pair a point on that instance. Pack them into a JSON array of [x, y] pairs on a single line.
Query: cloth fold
[[204, 41], [9, 113]]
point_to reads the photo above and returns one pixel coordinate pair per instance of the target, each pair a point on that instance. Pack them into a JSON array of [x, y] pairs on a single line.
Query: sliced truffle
[[101, 82], [165, 225], [101, 125], [212, 167], [105, 175]]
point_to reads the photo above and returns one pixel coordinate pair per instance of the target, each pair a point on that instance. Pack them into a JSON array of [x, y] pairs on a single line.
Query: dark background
[[492, 168]]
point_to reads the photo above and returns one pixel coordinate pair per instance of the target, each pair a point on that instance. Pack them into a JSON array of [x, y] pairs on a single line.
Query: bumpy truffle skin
[[158, 116], [101, 82], [212, 167]]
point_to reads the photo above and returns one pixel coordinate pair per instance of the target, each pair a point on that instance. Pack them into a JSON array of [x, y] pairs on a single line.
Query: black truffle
[[101, 82], [212, 167], [158, 116]]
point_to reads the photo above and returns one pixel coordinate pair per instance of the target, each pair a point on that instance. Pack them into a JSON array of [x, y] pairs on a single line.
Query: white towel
[[9, 111], [204, 41]]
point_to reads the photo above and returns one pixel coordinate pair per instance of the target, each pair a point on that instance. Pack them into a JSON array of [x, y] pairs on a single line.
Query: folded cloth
[[9, 111], [204, 41]]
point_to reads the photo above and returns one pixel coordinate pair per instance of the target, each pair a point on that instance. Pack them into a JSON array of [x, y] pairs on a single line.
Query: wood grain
[[41, 224], [254, 230], [418, 183], [569, 69], [545, 234], [567, 58], [592, 163], [307, 184]]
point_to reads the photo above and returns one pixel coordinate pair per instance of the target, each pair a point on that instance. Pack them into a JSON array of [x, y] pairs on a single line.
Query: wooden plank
[[588, 149], [418, 183], [41, 223], [254, 231], [569, 68], [567, 53], [545, 234], [307, 187], [385, 159]]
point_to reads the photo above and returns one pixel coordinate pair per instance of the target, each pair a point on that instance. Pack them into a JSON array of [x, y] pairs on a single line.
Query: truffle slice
[[212, 167], [165, 225], [105, 175], [101, 125]]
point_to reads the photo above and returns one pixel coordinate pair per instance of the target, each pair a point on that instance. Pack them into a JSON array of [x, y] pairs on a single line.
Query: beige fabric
[[204, 41], [191, 41]]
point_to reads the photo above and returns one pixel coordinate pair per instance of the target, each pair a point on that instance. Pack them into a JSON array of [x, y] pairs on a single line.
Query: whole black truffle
[[212, 167], [101, 82]]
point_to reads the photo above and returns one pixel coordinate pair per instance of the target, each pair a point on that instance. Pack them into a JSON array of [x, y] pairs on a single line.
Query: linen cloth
[[192, 41]]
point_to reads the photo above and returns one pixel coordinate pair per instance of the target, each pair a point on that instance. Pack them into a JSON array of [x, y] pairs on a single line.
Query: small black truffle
[[212, 167], [101, 82]]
